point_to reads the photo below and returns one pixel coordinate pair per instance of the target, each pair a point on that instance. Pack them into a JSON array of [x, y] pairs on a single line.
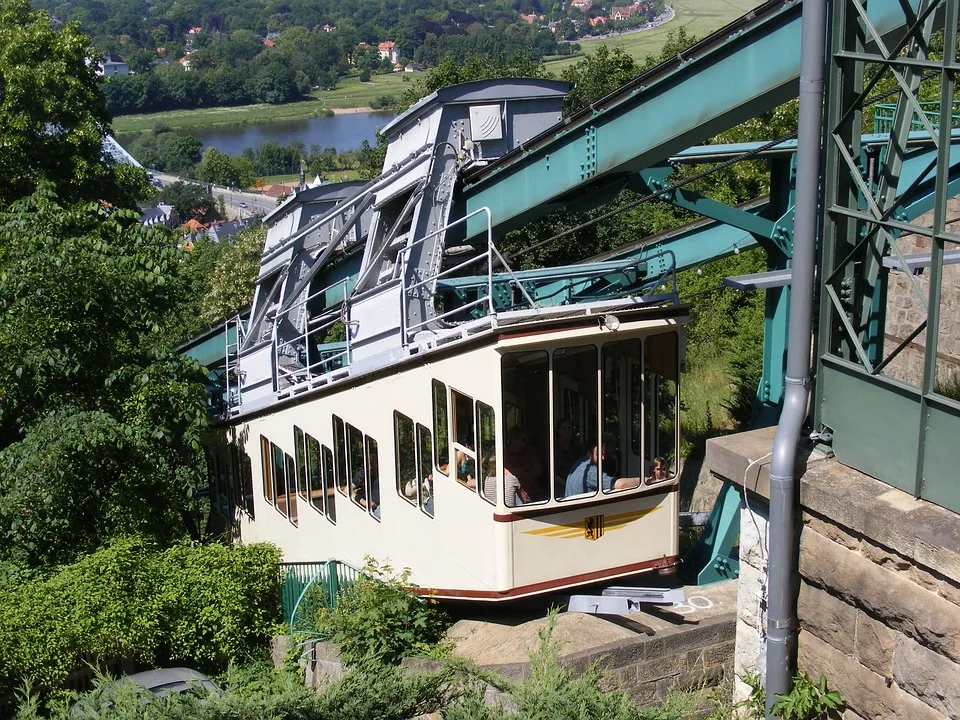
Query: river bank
[[350, 96]]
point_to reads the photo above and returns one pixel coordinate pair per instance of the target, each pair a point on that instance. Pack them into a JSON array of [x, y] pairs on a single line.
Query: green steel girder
[[722, 82], [769, 233]]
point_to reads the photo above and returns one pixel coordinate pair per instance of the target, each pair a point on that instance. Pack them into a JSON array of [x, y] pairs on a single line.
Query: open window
[[575, 394], [622, 419], [441, 427], [330, 509], [340, 453]]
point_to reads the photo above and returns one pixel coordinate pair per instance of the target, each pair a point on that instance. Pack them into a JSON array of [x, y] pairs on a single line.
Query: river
[[344, 131]]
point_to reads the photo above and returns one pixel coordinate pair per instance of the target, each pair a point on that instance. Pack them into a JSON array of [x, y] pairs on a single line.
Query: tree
[[100, 423], [218, 167], [232, 280], [597, 75], [190, 201], [53, 117], [276, 83]]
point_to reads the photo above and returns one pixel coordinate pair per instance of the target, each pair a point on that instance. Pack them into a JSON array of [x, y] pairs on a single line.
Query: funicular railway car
[[399, 392]]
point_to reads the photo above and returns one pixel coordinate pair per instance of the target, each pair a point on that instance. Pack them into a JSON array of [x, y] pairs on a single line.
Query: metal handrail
[[325, 321]]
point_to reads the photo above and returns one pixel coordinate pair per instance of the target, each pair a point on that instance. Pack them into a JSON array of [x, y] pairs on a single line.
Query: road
[[239, 203]]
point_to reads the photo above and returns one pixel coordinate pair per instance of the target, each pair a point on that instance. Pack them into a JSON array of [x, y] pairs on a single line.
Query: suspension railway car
[[400, 392]]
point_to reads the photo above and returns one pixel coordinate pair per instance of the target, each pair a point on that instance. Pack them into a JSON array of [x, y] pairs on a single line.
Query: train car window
[[330, 507], [464, 440], [575, 392], [223, 491], [425, 466], [487, 452], [620, 422], [291, 474], [266, 465], [661, 361], [441, 427], [373, 476], [405, 451], [279, 480], [526, 427], [340, 451], [636, 406], [312, 451], [357, 490], [246, 483], [300, 456]]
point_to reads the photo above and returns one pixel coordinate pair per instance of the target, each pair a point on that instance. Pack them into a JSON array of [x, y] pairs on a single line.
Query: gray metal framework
[[901, 431]]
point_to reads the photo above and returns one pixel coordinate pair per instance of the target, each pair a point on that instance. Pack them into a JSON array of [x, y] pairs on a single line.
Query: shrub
[[380, 618], [202, 606]]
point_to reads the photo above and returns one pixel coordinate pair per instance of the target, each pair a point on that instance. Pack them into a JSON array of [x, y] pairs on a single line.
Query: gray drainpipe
[[781, 624]]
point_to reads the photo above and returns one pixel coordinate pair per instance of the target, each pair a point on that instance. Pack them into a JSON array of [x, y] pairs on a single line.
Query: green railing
[[883, 115], [327, 579]]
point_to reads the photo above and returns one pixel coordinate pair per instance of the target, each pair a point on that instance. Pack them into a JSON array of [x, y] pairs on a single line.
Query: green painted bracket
[[712, 559]]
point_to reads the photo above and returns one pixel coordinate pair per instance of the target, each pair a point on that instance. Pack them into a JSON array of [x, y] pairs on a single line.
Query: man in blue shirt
[[583, 478]]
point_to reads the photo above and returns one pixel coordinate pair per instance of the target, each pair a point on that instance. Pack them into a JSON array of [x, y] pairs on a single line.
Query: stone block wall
[[751, 649], [878, 592], [905, 311], [691, 656]]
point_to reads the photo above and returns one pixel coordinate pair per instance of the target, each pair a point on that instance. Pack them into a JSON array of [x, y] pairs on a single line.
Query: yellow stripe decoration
[[574, 530]]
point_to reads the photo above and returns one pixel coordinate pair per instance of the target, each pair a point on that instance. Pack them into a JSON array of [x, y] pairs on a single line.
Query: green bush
[[380, 618], [201, 606]]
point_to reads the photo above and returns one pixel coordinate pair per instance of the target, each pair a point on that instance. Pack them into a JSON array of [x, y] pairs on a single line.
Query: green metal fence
[[884, 113], [326, 579]]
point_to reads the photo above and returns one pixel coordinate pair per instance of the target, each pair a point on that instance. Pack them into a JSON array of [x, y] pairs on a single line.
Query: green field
[[349, 93], [698, 17]]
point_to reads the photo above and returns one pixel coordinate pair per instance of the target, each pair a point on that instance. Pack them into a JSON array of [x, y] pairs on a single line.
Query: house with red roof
[[388, 51]]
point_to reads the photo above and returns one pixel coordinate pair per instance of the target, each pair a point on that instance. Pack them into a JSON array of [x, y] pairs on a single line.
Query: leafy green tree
[[191, 201], [597, 75], [53, 117], [275, 83], [231, 281], [218, 167], [100, 425]]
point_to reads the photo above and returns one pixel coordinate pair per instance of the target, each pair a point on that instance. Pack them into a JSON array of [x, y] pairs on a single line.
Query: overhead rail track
[[737, 73]]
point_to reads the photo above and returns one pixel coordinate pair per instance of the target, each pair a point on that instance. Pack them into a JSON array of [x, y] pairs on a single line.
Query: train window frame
[[587, 420], [405, 469], [341, 473], [329, 483], [425, 464], [317, 496], [517, 415], [279, 479], [300, 459], [464, 456], [652, 449], [266, 468], [290, 472], [355, 435], [246, 483], [624, 402], [372, 476], [486, 450], [438, 390]]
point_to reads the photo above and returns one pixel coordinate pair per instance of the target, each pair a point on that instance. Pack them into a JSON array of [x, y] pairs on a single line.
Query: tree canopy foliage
[[100, 424], [53, 117]]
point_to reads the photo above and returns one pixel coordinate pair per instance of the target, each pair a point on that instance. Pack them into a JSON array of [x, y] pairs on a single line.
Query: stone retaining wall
[[878, 593], [689, 657]]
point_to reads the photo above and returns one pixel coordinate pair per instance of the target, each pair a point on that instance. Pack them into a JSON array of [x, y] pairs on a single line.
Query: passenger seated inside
[[583, 478], [358, 491], [426, 492], [466, 470], [489, 479], [521, 461], [659, 472]]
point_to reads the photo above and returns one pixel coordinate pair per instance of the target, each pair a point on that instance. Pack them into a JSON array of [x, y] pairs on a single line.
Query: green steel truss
[[881, 385]]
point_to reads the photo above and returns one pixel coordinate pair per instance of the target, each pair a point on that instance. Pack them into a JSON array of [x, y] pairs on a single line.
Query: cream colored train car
[[412, 463]]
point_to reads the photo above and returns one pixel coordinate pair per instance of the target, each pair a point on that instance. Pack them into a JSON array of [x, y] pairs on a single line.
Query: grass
[[705, 391], [349, 93], [698, 17], [331, 176]]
